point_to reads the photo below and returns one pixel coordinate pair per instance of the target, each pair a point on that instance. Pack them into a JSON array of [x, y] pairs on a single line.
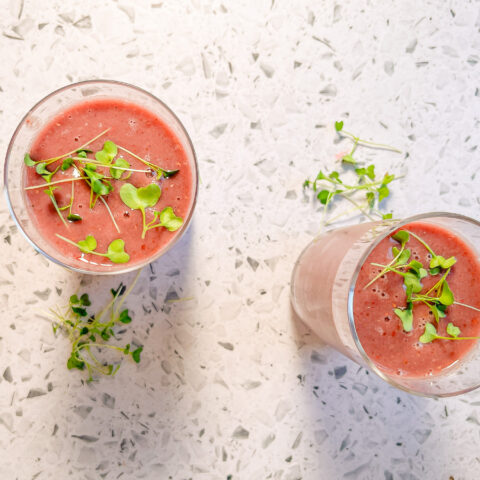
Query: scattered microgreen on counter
[[104, 172], [89, 333], [437, 298], [365, 192]]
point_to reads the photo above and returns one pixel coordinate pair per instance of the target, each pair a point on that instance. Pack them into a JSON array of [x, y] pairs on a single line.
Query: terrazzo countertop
[[230, 385]]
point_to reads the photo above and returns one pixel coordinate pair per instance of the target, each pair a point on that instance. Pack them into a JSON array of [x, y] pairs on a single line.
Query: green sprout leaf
[[74, 217], [429, 334], [67, 163], [401, 236], [116, 252], [446, 298], [136, 354], [75, 362], [140, 199], [124, 317], [28, 160], [169, 220], [452, 330], [88, 245], [107, 154], [406, 316], [339, 126], [116, 172], [349, 159], [411, 280]]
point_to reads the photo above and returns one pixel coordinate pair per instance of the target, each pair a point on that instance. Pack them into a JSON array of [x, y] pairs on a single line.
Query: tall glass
[[323, 287], [35, 120]]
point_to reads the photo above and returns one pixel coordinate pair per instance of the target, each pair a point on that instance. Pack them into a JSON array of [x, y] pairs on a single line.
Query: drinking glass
[[35, 120], [323, 288]]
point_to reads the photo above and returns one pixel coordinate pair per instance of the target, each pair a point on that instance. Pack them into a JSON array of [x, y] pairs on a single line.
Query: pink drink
[[328, 294], [380, 330], [139, 131]]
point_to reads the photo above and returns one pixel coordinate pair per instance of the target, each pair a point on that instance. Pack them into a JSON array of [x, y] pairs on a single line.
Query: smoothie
[[139, 134], [380, 330]]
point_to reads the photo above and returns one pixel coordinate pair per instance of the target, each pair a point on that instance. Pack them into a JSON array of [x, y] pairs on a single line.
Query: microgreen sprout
[[437, 298], [115, 250], [50, 192], [89, 333], [158, 170], [140, 199], [365, 193]]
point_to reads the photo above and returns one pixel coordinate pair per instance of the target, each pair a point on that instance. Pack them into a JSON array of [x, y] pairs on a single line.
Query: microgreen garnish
[[89, 333], [437, 298], [93, 172], [158, 170], [107, 154], [365, 191], [140, 198], [115, 250], [50, 192]]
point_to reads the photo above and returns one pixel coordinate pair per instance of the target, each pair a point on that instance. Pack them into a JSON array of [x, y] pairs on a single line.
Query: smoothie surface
[[380, 330], [139, 131]]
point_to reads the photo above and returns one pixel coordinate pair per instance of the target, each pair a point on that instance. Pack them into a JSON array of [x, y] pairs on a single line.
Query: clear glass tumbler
[[35, 120], [322, 294]]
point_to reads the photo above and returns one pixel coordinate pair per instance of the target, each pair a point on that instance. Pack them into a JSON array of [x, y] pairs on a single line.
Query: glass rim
[[351, 290], [195, 183]]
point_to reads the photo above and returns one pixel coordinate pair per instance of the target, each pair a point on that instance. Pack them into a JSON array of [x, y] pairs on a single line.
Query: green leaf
[[119, 162], [120, 290], [387, 216], [74, 300], [349, 159], [439, 261], [42, 169], [370, 171], [84, 331], [140, 198], [126, 350], [404, 256], [75, 362], [85, 300], [80, 311], [136, 354], [116, 252], [406, 316], [88, 245], [74, 217], [321, 176], [387, 179], [401, 236], [412, 281], [435, 271], [383, 192], [335, 176], [67, 163], [452, 330], [323, 196], [449, 262], [169, 220], [28, 160], [370, 199], [169, 173], [339, 126], [429, 334], [361, 171], [124, 317], [446, 298], [107, 154]]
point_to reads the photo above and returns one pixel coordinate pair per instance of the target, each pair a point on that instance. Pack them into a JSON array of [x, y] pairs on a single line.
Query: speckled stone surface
[[230, 385]]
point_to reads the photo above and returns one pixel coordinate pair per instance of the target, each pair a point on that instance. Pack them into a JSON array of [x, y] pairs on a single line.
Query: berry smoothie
[[138, 131], [380, 330]]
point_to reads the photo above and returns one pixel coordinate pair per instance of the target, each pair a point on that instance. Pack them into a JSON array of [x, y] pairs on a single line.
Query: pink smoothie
[[134, 128], [380, 331]]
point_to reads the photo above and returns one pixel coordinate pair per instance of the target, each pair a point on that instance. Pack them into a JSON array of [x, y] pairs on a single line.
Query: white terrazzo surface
[[230, 386]]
